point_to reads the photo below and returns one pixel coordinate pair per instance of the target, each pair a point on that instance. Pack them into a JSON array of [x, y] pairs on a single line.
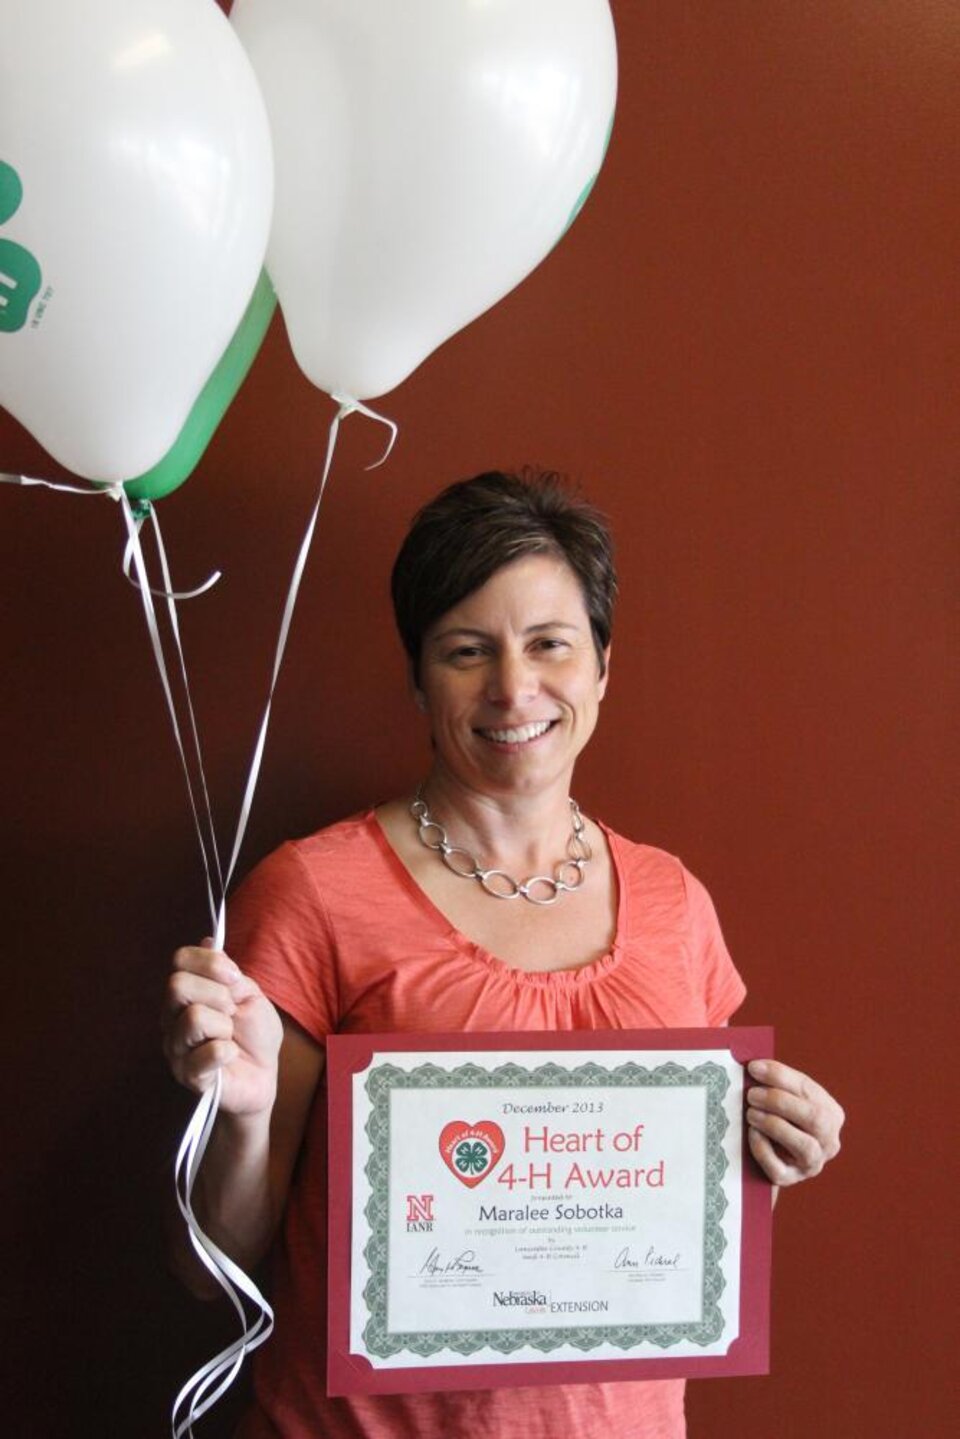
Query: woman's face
[[511, 680]]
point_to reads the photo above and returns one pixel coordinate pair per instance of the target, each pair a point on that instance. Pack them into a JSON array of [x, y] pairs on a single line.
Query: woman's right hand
[[215, 1018]]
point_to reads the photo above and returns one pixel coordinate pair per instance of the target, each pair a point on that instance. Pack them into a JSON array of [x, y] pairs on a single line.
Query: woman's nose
[[513, 680]]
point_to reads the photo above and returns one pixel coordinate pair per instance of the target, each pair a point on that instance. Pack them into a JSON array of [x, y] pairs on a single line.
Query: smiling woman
[[486, 901], [512, 682]]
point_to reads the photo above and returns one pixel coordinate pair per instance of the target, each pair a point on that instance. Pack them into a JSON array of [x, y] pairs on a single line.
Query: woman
[[503, 593]]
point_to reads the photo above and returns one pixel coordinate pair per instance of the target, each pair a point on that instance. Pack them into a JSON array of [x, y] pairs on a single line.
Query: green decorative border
[[384, 1078]]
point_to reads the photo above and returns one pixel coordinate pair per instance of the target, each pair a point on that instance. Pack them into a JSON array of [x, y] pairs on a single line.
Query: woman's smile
[[519, 736]]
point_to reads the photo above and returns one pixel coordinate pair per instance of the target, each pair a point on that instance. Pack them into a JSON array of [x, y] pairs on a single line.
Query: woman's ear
[[419, 698], [605, 672]]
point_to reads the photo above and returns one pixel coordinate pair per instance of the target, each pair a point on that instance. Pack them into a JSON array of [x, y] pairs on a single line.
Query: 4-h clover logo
[[471, 1157], [20, 276], [471, 1151]]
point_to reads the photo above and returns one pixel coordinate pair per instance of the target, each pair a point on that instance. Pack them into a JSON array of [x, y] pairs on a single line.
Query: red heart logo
[[470, 1151]]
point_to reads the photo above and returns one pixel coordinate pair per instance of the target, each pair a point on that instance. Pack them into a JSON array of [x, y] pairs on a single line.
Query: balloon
[[428, 155], [135, 202], [213, 401]]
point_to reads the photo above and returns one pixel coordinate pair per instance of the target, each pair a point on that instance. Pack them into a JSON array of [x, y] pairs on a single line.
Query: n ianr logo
[[419, 1213]]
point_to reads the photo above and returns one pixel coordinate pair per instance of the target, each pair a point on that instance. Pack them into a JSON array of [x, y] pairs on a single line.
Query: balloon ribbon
[[214, 1378], [211, 1381]]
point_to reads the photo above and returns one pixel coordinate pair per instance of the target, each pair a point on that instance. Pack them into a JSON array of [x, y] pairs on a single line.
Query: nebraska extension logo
[[470, 1151]]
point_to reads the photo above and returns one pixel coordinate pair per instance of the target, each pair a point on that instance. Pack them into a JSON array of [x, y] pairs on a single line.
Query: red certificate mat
[[530, 1209]]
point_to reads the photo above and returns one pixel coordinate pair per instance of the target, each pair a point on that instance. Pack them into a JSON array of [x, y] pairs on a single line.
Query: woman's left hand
[[793, 1124]]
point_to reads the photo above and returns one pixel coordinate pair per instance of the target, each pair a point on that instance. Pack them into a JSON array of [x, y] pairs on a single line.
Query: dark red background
[[747, 350]]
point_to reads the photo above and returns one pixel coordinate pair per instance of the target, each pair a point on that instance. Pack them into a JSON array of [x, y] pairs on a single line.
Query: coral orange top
[[341, 938]]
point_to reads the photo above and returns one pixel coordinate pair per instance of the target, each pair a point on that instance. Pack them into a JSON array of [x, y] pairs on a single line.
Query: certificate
[[543, 1208]]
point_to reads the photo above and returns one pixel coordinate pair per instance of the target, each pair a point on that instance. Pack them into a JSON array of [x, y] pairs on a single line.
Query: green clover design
[[471, 1158]]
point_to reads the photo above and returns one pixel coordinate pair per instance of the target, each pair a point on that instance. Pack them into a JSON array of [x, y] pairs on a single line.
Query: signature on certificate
[[652, 1259], [462, 1263]]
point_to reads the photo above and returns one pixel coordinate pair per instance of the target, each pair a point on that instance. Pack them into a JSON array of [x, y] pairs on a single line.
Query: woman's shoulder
[[655, 873], [336, 849], [635, 855], [356, 832]]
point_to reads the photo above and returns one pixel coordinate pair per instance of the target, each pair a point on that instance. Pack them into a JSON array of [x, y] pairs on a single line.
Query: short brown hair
[[473, 528]]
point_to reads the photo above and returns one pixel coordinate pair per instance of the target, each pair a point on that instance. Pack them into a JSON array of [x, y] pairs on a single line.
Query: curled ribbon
[[168, 592]]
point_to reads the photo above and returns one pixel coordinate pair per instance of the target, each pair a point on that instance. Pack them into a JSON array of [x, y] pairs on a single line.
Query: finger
[[799, 1099], [212, 963], [774, 1166], [774, 1075], [185, 988], [813, 1117], [800, 1150], [245, 988], [199, 1068], [196, 1026]]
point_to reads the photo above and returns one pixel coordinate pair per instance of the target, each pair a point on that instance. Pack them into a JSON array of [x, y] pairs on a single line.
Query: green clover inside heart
[[471, 1157]]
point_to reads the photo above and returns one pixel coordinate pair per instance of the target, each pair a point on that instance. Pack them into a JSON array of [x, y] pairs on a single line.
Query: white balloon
[[137, 134], [428, 153]]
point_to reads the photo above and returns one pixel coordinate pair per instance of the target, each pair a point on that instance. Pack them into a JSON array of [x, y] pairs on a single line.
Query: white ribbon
[[133, 557], [209, 853], [346, 407], [112, 492], [168, 593], [211, 1382]]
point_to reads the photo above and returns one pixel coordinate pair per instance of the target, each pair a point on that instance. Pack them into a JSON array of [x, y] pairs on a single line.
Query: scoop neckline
[[540, 978]]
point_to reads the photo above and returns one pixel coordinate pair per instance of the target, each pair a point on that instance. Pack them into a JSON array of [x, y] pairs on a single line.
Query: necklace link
[[542, 889]]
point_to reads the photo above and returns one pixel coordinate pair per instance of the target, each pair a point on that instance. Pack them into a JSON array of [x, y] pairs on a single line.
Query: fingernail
[[758, 1068]]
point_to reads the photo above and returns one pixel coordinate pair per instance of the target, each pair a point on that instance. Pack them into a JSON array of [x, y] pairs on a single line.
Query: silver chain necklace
[[538, 889]]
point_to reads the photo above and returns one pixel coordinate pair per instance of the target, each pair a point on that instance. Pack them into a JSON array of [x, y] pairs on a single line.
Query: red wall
[[747, 350]]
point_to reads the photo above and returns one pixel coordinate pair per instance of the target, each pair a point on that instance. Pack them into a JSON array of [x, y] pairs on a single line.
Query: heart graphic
[[470, 1151]]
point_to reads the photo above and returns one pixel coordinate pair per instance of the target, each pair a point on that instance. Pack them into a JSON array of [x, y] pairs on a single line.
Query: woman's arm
[[793, 1124], [217, 1019]]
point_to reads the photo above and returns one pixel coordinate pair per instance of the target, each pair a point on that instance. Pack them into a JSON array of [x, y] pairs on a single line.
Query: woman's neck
[[505, 830]]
